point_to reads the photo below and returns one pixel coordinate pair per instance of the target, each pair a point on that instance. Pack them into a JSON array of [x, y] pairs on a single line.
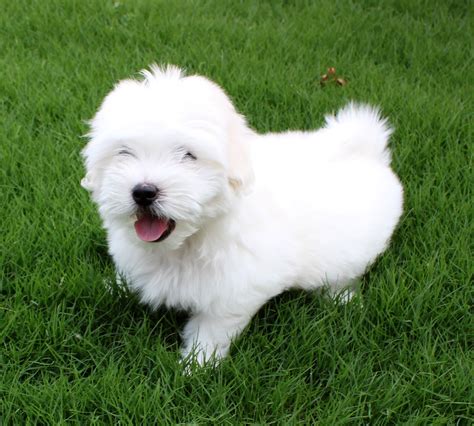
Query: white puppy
[[203, 214]]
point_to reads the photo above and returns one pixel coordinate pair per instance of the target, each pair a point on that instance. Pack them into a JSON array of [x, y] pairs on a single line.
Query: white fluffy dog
[[203, 214]]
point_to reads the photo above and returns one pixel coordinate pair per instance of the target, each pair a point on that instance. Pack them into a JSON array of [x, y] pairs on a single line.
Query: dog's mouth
[[153, 229]]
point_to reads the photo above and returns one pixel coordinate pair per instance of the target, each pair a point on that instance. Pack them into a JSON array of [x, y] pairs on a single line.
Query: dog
[[203, 214]]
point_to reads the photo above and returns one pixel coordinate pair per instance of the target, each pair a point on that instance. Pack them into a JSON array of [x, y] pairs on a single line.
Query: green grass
[[72, 353]]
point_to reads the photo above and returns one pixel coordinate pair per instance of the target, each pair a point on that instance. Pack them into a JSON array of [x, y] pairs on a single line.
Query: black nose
[[144, 193]]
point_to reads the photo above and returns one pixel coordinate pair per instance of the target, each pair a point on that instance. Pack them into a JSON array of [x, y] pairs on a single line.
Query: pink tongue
[[149, 228]]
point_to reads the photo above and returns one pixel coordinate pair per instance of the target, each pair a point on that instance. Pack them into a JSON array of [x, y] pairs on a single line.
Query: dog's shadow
[[118, 312], [126, 314]]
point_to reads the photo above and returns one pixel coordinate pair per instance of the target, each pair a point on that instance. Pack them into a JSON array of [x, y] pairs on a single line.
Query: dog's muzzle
[[148, 226]]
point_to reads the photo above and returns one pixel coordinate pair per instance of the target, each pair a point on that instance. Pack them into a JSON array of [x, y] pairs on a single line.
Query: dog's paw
[[197, 357], [345, 296]]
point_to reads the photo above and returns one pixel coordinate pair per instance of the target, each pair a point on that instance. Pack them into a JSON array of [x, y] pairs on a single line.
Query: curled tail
[[361, 130]]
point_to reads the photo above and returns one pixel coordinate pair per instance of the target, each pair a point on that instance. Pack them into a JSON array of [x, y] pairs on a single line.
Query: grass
[[72, 353]]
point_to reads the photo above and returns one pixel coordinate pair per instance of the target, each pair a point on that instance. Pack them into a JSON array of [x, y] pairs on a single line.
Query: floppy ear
[[91, 157], [87, 182], [241, 174], [94, 155]]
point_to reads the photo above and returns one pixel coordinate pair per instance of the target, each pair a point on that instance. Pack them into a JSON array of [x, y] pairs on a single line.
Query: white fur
[[255, 214]]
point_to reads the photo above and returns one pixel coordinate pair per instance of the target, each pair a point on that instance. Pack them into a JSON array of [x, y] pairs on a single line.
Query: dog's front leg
[[207, 337]]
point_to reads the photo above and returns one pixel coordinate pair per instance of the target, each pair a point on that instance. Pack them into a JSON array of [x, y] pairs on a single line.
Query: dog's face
[[166, 155]]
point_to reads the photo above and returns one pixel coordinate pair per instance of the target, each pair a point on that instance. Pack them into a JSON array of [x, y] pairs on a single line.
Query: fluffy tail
[[361, 130]]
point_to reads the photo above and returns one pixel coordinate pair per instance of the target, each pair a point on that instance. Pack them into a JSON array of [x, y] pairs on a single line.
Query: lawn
[[74, 351]]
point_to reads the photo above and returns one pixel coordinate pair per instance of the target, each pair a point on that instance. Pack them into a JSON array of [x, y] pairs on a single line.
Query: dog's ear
[[87, 182], [241, 174], [95, 155]]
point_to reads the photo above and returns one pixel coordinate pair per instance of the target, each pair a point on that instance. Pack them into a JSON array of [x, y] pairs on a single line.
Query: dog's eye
[[125, 151], [189, 156]]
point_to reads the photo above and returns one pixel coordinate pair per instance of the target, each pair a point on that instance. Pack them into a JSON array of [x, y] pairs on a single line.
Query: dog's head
[[166, 154]]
